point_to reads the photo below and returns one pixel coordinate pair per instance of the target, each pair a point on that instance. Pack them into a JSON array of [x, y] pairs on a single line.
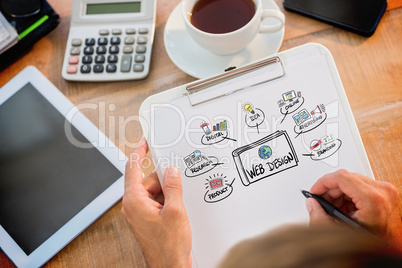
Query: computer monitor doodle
[[289, 96]]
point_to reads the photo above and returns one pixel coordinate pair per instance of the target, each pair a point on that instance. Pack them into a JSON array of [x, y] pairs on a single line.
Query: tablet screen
[[45, 180]]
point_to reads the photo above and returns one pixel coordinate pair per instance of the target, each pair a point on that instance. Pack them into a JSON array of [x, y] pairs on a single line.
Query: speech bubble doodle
[[325, 151], [215, 137], [310, 124], [255, 118], [291, 107], [218, 188], [203, 166], [290, 103]]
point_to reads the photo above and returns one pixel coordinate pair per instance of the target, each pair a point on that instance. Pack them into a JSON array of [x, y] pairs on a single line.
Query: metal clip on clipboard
[[229, 81]]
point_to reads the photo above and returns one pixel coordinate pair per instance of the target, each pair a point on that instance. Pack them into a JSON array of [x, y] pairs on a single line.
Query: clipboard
[[248, 140]]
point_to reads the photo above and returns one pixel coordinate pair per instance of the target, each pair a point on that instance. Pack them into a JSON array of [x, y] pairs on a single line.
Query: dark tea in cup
[[222, 16], [226, 27]]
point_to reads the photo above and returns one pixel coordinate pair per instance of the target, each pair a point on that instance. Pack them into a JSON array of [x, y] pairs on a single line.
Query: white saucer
[[199, 62]]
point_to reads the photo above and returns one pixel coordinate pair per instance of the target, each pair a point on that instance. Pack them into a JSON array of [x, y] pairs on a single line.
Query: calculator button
[[112, 59], [88, 50], [115, 40], [90, 41], [103, 32], [99, 59], [87, 59], [76, 42], [141, 49], [129, 40], [116, 31], [98, 68], [111, 68], [143, 30], [102, 41], [128, 49], [75, 51], [138, 67], [139, 58], [85, 69], [130, 31], [125, 63], [73, 60], [142, 40], [101, 50], [114, 50], [72, 69]]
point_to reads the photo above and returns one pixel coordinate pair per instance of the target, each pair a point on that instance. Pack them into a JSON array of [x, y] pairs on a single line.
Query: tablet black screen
[[359, 16], [45, 180]]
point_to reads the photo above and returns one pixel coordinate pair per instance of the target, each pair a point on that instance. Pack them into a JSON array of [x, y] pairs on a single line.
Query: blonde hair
[[315, 247]]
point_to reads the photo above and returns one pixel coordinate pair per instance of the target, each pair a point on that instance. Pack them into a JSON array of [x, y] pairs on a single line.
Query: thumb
[[317, 213], [172, 188]]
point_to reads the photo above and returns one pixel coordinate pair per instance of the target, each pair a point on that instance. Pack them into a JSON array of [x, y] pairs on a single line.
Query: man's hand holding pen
[[373, 204]]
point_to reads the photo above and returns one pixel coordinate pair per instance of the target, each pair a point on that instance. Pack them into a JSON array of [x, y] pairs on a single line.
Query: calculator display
[[113, 8], [109, 41]]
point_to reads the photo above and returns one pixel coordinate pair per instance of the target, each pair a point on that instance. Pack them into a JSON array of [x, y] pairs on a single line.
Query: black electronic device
[[32, 20], [358, 16], [56, 174]]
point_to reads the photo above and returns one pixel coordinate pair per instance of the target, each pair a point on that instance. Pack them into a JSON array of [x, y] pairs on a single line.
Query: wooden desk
[[370, 68]]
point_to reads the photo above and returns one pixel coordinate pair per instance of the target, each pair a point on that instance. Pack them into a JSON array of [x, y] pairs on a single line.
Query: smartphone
[[358, 16]]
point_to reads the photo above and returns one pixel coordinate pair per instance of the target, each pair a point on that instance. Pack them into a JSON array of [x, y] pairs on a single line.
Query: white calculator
[[109, 40]]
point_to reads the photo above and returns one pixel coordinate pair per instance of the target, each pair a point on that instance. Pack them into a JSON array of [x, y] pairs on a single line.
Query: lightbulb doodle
[[324, 148], [290, 102], [254, 116], [198, 164], [218, 188], [306, 121], [218, 133]]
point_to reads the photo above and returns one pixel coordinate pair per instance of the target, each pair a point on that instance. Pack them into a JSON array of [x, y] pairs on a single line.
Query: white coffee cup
[[232, 42]]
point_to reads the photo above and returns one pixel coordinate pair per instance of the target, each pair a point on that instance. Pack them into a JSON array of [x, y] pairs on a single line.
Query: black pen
[[333, 211]]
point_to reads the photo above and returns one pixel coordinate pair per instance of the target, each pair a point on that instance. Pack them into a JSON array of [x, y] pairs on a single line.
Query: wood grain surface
[[370, 69]]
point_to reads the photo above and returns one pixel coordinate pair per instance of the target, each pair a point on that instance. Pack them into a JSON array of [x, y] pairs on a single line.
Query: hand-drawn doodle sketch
[[205, 128], [219, 133], [198, 164], [265, 157], [290, 102], [223, 125], [254, 116], [218, 188], [323, 148], [319, 109], [306, 121], [301, 117]]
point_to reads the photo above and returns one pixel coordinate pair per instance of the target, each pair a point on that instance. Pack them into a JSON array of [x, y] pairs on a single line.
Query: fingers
[[333, 194], [172, 188], [134, 164], [152, 185], [333, 185], [355, 195], [316, 212], [160, 198]]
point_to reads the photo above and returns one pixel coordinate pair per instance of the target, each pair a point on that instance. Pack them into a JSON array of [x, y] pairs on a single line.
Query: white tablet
[[58, 171]]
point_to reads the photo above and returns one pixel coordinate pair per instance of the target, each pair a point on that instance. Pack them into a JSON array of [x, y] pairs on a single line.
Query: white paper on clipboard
[[244, 156]]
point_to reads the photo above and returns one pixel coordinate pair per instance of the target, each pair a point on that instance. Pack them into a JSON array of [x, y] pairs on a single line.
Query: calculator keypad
[[100, 59], [113, 50], [87, 59], [73, 60], [111, 68]]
